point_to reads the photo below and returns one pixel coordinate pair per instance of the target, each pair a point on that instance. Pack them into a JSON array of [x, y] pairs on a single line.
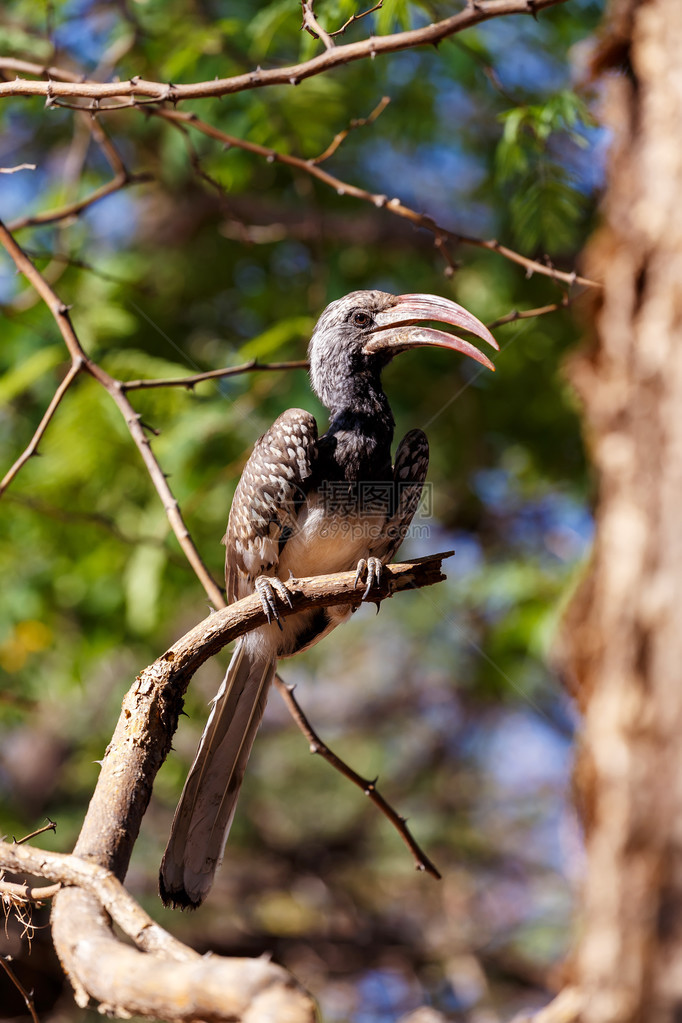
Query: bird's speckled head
[[337, 347], [356, 336]]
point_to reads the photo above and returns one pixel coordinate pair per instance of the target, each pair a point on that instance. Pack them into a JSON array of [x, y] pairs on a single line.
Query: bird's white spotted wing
[[267, 500]]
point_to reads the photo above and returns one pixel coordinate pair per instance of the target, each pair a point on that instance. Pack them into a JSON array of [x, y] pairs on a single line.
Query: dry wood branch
[[28, 1001], [72, 209], [214, 989], [73, 871], [50, 826], [122, 179], [176, 984], [253, 366], [357, 122], [313, 27], [32, 448], [394, 205], [527, 314], [367, 785], [63, 84], [357, 17], [11, 892], [60, 313], [150, 710], [18, 167]]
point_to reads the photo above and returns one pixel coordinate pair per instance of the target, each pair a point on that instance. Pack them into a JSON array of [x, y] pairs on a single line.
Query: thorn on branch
[[153, 430]]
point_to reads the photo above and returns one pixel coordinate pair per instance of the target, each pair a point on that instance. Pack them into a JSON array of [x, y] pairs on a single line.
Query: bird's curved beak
[[398, 328]]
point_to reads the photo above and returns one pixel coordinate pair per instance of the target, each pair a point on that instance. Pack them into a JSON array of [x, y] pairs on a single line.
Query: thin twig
[[32, 449], [526, 314], [357, 122], [70, 870], [63, 84], [369, 788], [72, 209], [23, 893], [357, 17], [122, 179], [60, 313], [19, 167], [213, 374], [394, 205], [312, 25], [20, 988], [50, 826]]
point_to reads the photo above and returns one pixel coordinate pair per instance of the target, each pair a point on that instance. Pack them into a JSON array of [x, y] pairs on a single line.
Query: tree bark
[[624, 628]]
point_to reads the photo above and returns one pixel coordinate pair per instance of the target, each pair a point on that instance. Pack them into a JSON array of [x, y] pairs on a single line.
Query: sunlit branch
[[122, 179], [368, 786], [526, 314], [32, 447], [71, 209], [50, 826], [19, 167], [63, 85], [60, 313], [357, 122], [212, 374], [356, 17], [394, 205], [11, 892], [28, 1000], [312, 26]]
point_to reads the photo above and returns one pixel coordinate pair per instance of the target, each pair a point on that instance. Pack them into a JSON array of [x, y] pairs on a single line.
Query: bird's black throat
[[357, 445]]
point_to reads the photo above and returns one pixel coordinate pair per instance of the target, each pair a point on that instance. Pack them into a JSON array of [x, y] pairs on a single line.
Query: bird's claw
[[268, 589], [371, 567]]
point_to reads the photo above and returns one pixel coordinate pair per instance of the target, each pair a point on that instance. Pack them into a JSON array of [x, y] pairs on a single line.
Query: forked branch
[[69, 84], [160, 977]]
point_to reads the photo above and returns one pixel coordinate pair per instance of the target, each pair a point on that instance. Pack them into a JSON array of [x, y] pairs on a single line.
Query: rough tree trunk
[[625, 625]]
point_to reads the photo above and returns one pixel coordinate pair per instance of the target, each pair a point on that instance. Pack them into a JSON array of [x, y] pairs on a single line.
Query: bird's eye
[[361, 319]]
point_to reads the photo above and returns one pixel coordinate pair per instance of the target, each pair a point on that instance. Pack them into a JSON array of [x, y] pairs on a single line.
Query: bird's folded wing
[[267, 500]]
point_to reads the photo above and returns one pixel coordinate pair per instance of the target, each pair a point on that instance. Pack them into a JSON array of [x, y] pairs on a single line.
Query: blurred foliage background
[[448, 696]]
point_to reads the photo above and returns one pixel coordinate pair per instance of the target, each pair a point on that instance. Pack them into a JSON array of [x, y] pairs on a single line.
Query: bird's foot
[[268, 588], [369, 568]]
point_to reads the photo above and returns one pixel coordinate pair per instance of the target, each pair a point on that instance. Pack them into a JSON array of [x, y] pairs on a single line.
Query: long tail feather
[[202, 820]]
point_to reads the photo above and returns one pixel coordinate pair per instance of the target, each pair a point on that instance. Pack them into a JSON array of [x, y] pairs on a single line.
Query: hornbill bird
[[308, 505]]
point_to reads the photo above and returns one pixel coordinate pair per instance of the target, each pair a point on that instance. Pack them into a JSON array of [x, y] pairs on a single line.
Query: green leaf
[[25, 374]]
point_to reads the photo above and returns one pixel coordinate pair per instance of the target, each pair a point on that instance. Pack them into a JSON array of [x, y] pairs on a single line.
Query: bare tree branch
[[368, 786], [122, 179], [19, 167], [60, 313], [32, 448], [68, 84], [357, 122], [11, 892], [253, 366], [151, 708], [161, 977], [312, 26], [50, 826], [394, 205], [356, 17], [74, 871], [28, 1001]]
